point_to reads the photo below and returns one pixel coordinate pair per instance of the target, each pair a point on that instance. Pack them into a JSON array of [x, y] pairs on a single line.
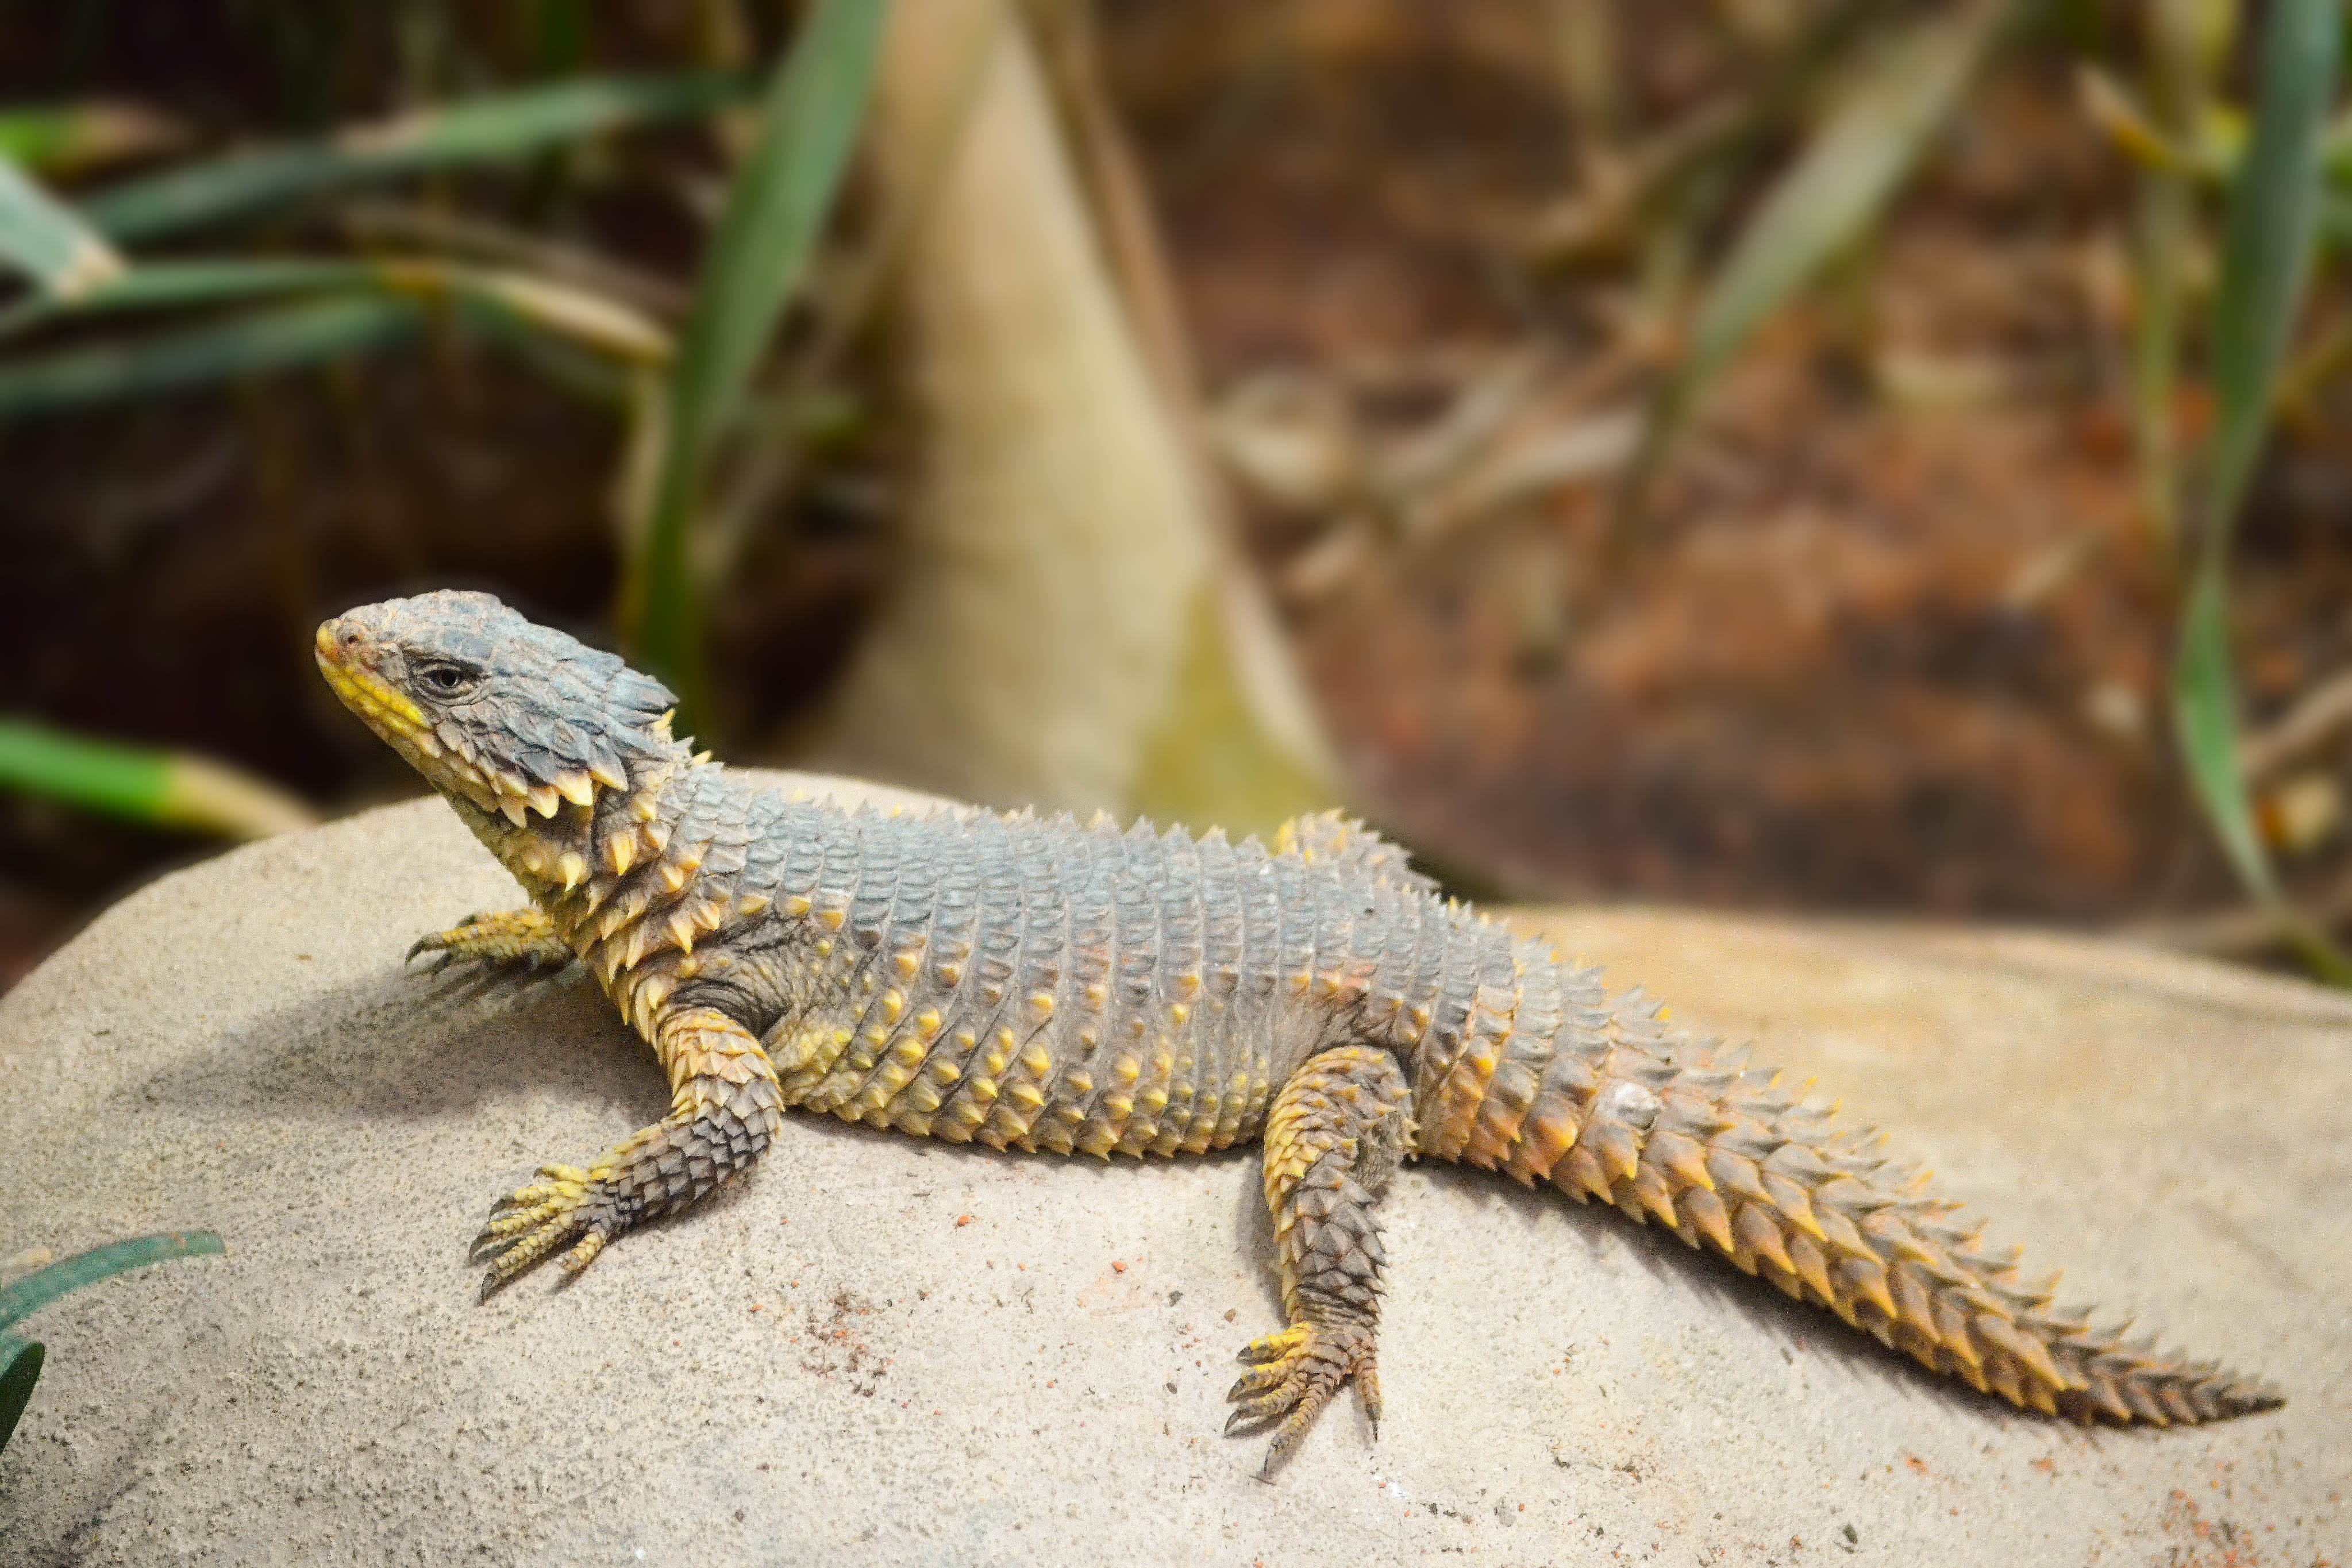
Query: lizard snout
[[338, 639]]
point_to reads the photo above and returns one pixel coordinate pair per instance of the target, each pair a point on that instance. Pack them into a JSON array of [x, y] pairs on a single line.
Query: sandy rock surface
[[877, 1350]]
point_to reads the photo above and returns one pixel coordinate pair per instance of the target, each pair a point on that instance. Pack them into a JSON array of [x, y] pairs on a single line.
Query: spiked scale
[[1671, 1130]]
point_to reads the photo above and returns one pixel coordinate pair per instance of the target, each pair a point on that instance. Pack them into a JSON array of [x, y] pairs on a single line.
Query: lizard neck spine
[[622, 878]]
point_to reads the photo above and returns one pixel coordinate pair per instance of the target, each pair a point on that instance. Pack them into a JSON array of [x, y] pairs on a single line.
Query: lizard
[[1044, 985]]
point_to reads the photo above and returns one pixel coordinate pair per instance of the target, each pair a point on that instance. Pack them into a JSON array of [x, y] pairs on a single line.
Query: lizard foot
[[719, 1120], [1296, 1374], [506, 937], [565, 1206]]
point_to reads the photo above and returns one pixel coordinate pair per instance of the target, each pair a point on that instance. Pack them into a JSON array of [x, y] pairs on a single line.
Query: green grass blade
[[497, 129], [176, 285], [2266, 251], [117, 779], [2267, 242], [1900, 98], [45, 240], [586, 318], [776, 209], [277, 339], [2206, 701], [592, 320], [34, 137], [20, 1368], [159, 789], [42, 1286], [65, 138]]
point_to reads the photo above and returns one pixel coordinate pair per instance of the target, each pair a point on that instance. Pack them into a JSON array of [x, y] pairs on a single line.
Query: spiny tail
[[1636, 1115]]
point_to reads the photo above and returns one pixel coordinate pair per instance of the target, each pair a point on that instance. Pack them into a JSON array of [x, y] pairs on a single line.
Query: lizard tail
[[1666, 1128]]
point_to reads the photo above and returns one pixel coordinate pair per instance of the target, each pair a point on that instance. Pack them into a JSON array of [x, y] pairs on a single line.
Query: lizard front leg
[[1333, 1138], [725, 1108], [508, 937]]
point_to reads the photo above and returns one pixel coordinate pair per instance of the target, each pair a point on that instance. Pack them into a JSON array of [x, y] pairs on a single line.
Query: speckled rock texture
[[879, 1349]]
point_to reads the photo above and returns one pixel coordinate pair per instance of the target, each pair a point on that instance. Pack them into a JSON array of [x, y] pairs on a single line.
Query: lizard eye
[[445, 680]]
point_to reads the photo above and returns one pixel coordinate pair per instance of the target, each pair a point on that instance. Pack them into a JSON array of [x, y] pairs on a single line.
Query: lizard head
[[505, 715]]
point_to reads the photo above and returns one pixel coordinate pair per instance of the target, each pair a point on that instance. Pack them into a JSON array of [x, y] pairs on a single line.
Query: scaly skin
[[1041, 985]]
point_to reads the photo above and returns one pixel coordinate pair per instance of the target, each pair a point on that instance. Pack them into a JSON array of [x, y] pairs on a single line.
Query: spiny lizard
[[1046, 985]]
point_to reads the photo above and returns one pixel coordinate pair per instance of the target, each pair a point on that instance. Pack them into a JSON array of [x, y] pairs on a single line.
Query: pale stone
[[830, 1362]]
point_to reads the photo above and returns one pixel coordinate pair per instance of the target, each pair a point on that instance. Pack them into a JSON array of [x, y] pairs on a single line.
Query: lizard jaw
[[341, 651], [362, 691]]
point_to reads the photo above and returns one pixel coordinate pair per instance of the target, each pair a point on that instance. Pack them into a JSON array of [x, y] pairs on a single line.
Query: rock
[[877, 1350]]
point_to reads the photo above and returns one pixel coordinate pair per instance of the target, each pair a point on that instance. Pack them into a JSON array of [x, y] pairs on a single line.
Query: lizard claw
[[1294, 1375], [564, 1206], [446, 942], [512, 937]]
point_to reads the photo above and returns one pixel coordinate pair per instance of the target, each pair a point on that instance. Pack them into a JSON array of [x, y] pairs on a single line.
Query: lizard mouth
[[343, 650]]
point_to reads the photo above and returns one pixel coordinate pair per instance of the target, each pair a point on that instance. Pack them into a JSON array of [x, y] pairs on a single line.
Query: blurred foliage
[[2271, 228], [759, 255], [342, 308], [20, 1358], [77, 137], [497, 129], [161, 788], [350, 230], [1898, 95], [227, 317], [2282, 169], [62, 255]]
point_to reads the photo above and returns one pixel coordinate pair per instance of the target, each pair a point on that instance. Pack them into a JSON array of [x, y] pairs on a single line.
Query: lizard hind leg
[[508, 939], [725, 1108], [1333, 1138]]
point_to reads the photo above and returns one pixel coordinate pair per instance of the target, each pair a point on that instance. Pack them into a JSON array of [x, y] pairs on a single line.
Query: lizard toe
[[563, 1210], [1257, 1380], [516, 938], [1277, 1346], [1296, 1375]]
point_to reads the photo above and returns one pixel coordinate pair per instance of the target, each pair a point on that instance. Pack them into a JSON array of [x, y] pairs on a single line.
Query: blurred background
[[1857, 455]]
